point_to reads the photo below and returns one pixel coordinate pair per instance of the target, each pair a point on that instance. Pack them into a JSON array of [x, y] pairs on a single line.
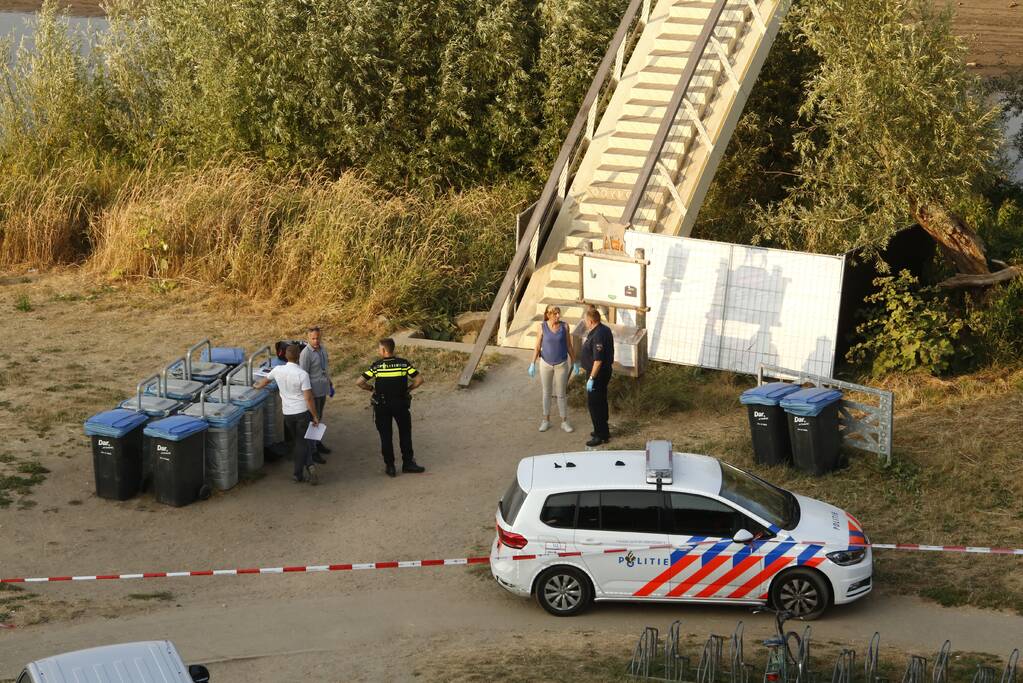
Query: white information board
[[611, 281], [733, 307]]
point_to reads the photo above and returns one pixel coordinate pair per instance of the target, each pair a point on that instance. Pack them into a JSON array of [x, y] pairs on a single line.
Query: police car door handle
[[589, 541]]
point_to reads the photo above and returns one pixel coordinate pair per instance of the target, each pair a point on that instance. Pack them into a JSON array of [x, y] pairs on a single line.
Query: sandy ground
[[81, 348], [993, 27]]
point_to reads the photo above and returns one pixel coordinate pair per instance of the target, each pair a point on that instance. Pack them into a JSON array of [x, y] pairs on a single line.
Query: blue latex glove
[[332, 390], [532, 370], [589, 384], [577, 369]]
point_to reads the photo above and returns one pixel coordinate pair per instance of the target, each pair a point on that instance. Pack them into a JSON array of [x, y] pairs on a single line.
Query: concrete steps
[[611, 166]]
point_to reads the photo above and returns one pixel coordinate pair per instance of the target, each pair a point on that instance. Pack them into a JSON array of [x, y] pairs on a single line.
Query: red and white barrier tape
[[945, 548], [463, 561]]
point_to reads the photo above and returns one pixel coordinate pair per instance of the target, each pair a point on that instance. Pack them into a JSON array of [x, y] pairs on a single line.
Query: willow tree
[[896, 130]]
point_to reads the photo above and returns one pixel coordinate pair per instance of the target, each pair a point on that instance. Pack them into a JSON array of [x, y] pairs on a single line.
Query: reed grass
[[340, 247]]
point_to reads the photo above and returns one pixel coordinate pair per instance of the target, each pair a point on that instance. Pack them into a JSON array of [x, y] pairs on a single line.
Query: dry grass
[[333, 248], [44, 219], [338, 247]]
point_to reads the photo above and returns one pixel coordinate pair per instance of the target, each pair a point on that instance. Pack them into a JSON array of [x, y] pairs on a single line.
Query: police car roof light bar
[[659, 467]]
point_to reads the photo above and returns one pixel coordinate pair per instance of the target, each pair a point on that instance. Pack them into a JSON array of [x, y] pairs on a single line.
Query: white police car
[[671, 527]]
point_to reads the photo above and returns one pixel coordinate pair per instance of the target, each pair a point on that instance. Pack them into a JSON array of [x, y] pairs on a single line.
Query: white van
[[155, 661], [671, 527]]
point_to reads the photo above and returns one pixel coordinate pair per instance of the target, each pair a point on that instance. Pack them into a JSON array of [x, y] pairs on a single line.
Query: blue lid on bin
[[220, 415], [153, 406], [768, 394], [175, 427], [810, 402], [114, 423], [229, 355]]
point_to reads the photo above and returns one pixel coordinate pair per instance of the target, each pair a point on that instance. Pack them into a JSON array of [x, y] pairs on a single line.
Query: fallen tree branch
[[986, 280]]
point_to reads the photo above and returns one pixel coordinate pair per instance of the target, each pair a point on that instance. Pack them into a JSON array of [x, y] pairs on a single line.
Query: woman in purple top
[[556, 355]]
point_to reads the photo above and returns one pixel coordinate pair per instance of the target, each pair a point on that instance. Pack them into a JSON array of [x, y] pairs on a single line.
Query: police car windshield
[[777, 506]]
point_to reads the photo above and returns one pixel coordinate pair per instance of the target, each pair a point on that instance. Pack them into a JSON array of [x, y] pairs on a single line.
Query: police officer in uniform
[[596, 358], [391, 398]]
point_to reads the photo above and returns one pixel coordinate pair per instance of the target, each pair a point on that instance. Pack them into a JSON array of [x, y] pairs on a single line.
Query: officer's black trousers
[[596, 401], [383, 415]]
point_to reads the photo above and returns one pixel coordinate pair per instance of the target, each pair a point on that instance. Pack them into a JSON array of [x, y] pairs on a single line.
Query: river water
[[18, 26]]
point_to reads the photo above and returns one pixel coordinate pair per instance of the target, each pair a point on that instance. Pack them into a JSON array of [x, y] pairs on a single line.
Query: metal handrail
[[681, 90], [141, 387], [192, 349], [253, 357], [165, 373], [557, 183]]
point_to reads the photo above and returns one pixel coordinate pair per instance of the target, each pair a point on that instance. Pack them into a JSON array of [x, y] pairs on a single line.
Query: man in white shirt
[[299, 408]]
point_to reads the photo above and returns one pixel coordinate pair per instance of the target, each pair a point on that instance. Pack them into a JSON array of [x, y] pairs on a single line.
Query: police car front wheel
[[802, 592], [563, 591]]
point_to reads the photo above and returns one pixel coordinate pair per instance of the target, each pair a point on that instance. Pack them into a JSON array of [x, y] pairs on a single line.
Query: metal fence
[[864, 418]]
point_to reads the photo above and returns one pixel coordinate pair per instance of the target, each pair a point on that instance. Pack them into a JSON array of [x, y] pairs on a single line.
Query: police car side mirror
[[199, 673], [742, 536]]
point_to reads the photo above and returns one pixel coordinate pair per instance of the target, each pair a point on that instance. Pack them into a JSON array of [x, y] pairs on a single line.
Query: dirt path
[[84, 350]]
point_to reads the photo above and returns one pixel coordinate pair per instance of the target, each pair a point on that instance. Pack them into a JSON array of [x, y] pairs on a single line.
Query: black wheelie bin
[[768, 425], [155, 408], [179, 473], [813, 429], [117, 452]]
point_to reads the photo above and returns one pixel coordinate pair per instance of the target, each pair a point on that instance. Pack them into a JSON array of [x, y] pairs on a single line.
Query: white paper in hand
[[315, 432]]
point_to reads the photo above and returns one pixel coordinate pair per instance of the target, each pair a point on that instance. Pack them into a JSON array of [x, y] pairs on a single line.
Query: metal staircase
[[642, 150]]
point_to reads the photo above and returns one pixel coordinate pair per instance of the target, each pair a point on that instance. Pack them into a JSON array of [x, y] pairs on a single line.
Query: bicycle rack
[[803, 673], [1009, 674], [870, 663], [984, 674], [784, 665], [676, 665], [739, 671], [940, 674], [844, 665], [916, 670], [645, 653], [710, 660]]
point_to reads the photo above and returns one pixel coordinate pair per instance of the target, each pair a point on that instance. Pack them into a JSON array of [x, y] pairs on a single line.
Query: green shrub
[[908, 327], [997, 324]]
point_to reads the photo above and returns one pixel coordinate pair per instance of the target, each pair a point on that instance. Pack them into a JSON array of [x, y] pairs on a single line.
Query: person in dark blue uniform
[[392, 397], [596, 358]]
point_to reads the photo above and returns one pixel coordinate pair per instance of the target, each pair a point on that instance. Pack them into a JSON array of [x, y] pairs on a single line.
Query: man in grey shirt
[[314, 361]]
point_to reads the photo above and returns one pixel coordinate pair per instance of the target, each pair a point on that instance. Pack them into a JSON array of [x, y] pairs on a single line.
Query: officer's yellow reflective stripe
[[412, 370], [392, 373]]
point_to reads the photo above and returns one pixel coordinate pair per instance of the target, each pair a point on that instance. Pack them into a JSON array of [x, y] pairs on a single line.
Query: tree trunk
[[960, 244], [974, 281]]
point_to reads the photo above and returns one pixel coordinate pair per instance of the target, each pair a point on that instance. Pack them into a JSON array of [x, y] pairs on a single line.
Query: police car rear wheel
[[563, 591], [801, 592]]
